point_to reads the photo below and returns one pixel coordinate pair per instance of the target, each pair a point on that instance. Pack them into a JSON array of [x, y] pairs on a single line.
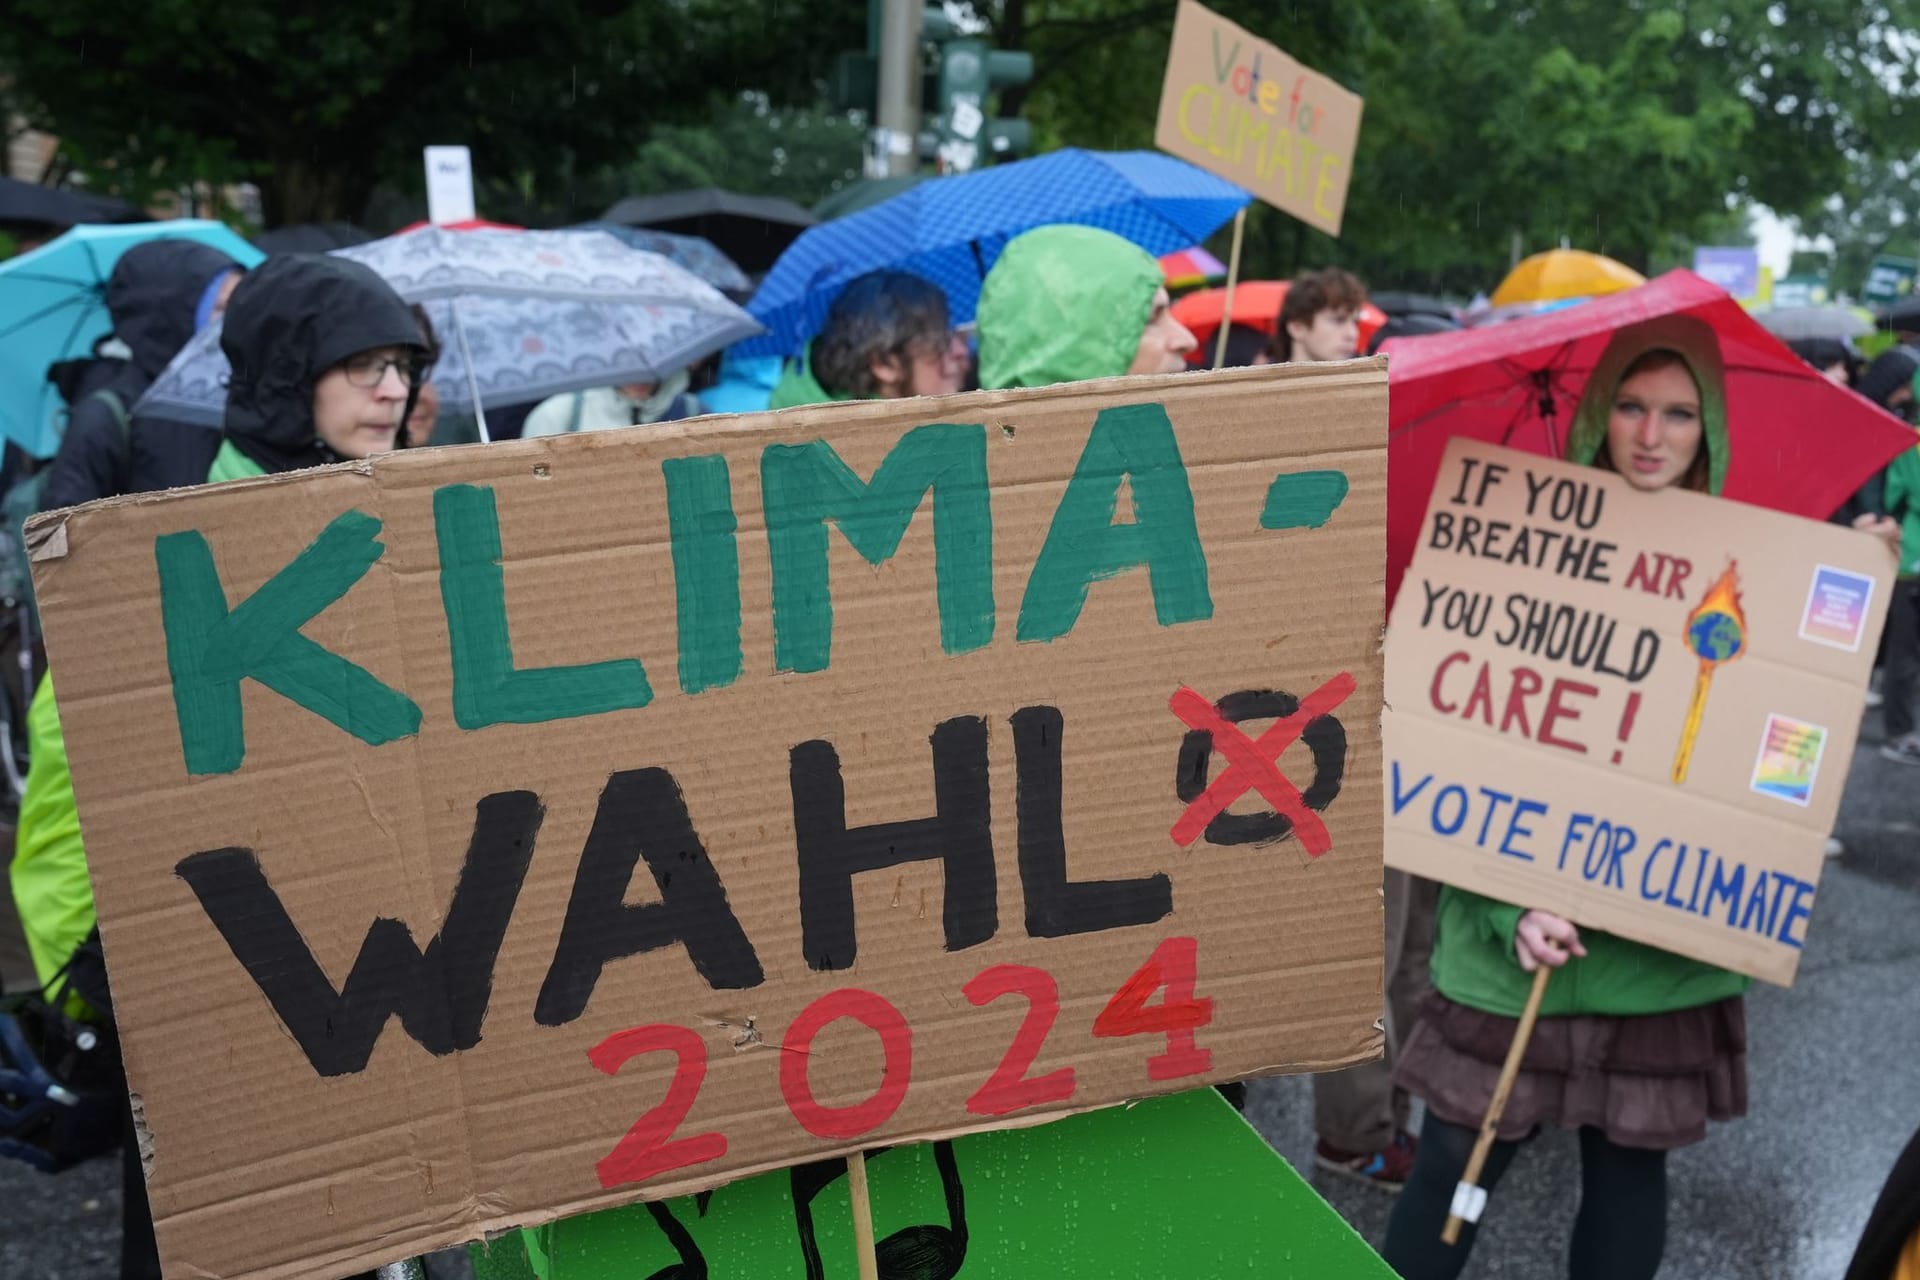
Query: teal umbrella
[[53, 307]]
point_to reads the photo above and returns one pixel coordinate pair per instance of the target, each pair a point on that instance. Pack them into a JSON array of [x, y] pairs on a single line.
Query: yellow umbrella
[[1565, 273]]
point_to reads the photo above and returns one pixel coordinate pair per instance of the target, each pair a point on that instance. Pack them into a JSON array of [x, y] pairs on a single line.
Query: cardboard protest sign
[[713, 798], [1632, 709], [1181, 1179], [1240, 107]]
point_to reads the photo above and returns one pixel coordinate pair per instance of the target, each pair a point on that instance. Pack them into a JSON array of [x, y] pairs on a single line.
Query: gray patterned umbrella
[[521, 315]]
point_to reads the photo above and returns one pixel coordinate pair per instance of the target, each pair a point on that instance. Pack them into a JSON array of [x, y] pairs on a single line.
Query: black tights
[[1620, 1233]]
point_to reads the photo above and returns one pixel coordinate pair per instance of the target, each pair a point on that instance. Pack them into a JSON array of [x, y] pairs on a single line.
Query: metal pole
[[898, 117], [473, 382]]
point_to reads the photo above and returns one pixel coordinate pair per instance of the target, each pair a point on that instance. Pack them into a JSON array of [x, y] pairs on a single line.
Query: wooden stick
[[1233, 274], [1468, 1198], [862, 1217]]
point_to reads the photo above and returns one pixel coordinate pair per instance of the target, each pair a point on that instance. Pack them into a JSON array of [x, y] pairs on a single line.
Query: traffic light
[[959, 76], [965, 71]]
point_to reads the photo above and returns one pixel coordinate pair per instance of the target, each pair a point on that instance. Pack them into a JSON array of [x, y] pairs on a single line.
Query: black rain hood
[[290, 320], [1890, 370], [153, 294]]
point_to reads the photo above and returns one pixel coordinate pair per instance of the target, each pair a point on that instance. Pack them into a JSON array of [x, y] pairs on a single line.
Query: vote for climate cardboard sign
[[1632, 709], [485, 835], [1242, 108]]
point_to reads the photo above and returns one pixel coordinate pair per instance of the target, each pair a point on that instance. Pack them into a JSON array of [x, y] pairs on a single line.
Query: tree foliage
[[1492, 125], [320, 104], [1636, 128]]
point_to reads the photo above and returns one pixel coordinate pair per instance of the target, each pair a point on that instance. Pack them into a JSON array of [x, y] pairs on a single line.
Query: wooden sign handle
[[1233, 277], [1468, 1197], [862, 1216]]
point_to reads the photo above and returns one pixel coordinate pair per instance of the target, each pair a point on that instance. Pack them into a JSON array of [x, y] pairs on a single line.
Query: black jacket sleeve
[[92, 459], [1870, 499], [1895, 1217]]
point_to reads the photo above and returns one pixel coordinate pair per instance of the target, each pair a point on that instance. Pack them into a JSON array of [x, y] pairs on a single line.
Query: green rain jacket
[[798, 386], [1063, 304], [1903, 500], [49, 869], [1473, 957], [49, 872]]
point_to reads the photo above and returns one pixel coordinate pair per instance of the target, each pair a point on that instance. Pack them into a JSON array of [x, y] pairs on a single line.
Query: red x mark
[[1252, 763]]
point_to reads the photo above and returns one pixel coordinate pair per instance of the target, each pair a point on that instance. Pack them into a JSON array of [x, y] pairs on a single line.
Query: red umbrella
[[471, 224], [1256, 304], [1797, 443]]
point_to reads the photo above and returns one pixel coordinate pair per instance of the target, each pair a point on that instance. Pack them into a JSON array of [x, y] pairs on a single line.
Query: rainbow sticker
[[1837, 604], [1789, 760]]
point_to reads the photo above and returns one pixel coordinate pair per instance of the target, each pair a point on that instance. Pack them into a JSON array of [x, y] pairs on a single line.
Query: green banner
[[1890, 278], [1178, 1185]]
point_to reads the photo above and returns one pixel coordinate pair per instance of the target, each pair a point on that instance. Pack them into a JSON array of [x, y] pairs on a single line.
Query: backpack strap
[[123, 457], [118, 408]]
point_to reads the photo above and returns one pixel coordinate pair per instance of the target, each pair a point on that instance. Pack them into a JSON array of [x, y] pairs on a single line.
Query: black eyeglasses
[[369, 368]]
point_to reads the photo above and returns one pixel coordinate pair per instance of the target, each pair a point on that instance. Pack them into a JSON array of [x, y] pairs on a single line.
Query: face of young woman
[[1654, 431]]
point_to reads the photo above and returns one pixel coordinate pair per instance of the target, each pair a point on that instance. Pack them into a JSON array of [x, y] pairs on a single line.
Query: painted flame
[[1722, 597]]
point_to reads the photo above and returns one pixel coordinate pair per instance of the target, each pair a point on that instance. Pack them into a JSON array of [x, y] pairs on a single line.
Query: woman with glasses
[[327, 362]]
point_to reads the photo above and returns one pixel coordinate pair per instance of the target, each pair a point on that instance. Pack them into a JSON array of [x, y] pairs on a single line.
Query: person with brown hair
[[1320, 319]]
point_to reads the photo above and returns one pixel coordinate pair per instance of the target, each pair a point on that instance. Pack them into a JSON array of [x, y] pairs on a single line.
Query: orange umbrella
[[1565, 273], [1256, 304]]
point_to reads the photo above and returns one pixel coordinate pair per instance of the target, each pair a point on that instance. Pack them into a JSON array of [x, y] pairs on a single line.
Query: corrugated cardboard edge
[[47, 537], [981, 404]]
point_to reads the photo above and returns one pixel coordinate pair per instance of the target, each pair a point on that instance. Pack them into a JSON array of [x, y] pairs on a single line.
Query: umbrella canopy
[[521, 315], [752, 230], [311, 237], [856, 196], [697, 255], [1904, 316], [465, 224], [28, 204], [1190, 268], [1791, 323], [952, 231], [1565, 273], [53, 307], [1797, 443], [1413, 304], [1256, 304]]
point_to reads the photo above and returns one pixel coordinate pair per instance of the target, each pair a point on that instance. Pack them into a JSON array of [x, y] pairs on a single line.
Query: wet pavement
[[1780, 1195]]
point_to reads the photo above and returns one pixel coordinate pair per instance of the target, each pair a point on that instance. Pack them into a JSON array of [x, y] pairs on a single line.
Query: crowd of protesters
[[1639, 1056]]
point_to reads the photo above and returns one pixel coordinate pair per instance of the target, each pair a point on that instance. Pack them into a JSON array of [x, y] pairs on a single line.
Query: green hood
[[1696, 344], [797, 385], [1064, 304]]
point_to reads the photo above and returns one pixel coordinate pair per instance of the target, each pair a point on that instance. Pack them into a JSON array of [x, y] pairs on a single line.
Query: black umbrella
[[857, 195], [1411, 304], [28, 204], [1904, 316], [1416, 324], [752, 230], [311, 237]]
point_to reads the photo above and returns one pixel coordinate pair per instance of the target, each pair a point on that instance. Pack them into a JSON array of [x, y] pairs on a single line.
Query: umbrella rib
[[35, 277], [93, 260], [74, 332], [42, 314]]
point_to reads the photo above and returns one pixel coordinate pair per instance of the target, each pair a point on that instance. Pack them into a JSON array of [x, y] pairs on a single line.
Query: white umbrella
[[522, 315]]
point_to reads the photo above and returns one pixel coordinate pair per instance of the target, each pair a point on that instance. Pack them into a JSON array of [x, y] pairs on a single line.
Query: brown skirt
[[1651, 1081]]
